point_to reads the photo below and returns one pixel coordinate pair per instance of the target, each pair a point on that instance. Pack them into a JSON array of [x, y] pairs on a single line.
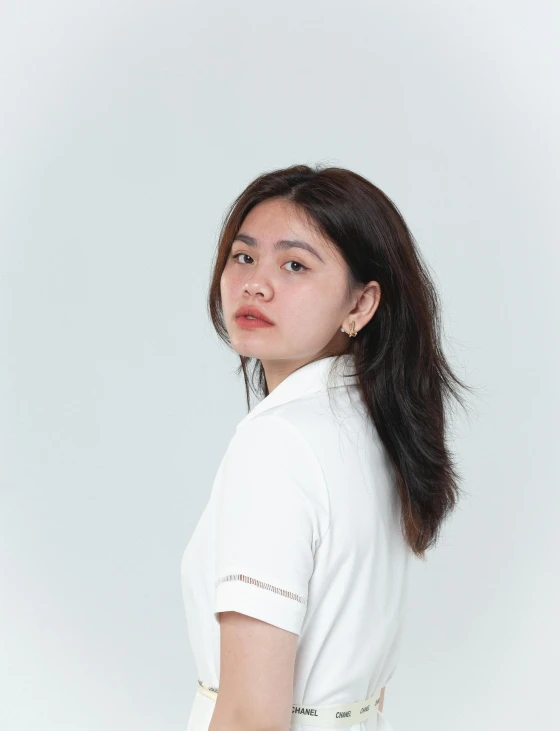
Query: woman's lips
[[248, 324]]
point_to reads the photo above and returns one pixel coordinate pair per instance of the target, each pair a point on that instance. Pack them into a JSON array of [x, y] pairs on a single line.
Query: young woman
[[295, 577]]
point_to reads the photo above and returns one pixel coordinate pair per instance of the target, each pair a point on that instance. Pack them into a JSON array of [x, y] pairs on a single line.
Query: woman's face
[[304, 294]]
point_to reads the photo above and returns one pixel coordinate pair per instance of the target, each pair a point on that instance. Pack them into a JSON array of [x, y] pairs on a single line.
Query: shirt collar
[[308, 379]]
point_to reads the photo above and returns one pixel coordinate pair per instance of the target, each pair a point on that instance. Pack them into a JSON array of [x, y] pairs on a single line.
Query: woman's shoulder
[[270, 434], [319, 421], [275, 447]]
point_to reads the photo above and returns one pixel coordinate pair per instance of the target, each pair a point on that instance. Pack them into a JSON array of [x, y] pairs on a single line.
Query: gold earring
[[352, 332]]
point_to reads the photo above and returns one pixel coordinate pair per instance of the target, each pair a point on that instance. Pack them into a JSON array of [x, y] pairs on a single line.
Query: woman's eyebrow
[[282, 244]]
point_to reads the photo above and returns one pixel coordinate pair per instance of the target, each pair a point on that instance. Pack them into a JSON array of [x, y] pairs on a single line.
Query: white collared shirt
[[302, 530]]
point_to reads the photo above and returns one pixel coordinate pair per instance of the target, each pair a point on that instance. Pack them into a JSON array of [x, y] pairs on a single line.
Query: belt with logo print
[[335, 716]]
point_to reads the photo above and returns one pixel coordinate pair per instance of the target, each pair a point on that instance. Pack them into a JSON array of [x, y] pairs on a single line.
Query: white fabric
[[302, 530]]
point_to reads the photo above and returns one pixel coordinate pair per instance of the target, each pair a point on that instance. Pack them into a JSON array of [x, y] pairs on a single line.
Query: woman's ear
[[366, 305]]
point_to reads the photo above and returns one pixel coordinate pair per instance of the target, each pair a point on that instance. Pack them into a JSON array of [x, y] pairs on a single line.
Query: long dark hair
[[405, 379]]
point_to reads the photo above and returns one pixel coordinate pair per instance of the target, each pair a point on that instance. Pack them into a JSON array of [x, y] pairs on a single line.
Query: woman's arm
[[257, 661], [380, 706]]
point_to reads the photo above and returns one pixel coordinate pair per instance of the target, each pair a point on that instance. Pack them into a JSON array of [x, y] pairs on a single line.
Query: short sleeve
[[272, 513]]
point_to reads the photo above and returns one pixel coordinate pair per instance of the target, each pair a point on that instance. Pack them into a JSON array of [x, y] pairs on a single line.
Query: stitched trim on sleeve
[[262, 585]]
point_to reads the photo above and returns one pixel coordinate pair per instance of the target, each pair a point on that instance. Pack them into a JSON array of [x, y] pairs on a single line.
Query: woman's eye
[[298, 264], [293, 271], [240, 254]]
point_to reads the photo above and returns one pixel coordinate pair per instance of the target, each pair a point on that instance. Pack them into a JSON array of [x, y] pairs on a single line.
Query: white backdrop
[[126, 130]]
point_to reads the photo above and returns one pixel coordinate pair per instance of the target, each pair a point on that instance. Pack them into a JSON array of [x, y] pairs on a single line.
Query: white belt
[[336, 716]]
